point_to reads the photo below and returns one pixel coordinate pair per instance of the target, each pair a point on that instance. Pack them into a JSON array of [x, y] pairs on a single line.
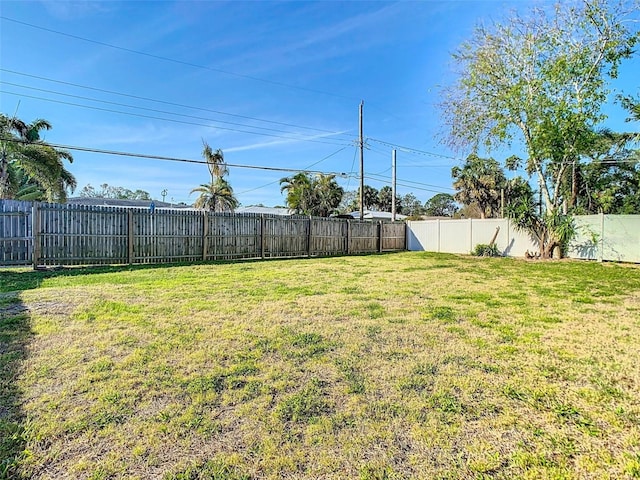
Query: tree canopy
[[441, 205], [108, 191], [317, 196], [480, 181], [542, 80], [216, 196], [30, 169]]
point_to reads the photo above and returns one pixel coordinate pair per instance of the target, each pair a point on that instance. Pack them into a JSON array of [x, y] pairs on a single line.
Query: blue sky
[[274, 84]]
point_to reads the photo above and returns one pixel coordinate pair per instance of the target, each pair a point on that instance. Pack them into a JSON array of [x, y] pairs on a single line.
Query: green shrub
[[484, 250]]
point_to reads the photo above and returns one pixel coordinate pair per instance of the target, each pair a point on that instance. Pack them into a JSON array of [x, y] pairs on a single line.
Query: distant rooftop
[[265, 210], [373, 215], [122, 202]]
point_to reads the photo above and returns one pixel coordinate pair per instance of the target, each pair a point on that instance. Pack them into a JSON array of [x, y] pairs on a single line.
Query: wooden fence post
[[205, 233], [37, 248], [380, 226], [348, 237], [309, 237], [130, 235], [263, 224]]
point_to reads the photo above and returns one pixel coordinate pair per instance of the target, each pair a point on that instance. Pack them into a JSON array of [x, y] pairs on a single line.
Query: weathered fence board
[[16, 238], [57, 234]]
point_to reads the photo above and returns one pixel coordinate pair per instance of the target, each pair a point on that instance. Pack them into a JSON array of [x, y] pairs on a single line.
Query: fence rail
[[58, 234]]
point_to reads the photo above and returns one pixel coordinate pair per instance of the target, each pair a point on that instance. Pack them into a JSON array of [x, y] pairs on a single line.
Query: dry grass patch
[[409, 365]]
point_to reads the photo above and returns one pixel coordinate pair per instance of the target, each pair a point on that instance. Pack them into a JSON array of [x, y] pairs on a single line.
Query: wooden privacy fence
[[58, 234]]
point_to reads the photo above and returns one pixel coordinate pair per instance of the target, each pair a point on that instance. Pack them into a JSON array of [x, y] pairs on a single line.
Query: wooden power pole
[[361, 142], [393, 185]]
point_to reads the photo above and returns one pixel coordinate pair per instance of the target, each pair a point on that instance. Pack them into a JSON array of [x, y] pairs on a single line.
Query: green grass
[[401, 366]]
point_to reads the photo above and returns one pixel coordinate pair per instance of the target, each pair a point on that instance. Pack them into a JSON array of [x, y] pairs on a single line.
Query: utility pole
[[361, 142], [393, 185]]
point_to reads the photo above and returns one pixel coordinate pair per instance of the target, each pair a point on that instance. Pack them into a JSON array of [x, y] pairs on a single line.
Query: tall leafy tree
[[441, 205], [610, 182], [385, 196], [541, 80], [27, 161], [411, 205]]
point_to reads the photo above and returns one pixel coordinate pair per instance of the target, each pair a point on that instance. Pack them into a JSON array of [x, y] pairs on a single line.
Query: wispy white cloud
[[275, 143], [74, 9], [326, 41]]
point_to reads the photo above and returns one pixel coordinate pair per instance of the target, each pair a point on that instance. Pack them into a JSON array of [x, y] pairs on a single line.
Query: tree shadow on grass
[[15, 334]]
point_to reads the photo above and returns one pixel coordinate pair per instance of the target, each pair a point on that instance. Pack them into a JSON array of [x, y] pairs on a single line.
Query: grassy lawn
[[399, 366]]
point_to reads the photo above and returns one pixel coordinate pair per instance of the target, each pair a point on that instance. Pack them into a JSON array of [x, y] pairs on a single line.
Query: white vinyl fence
[[607, 237], [599, 237]]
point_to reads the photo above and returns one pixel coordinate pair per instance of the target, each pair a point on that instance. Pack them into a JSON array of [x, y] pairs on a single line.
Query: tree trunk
[[574, 186], [4, 173]]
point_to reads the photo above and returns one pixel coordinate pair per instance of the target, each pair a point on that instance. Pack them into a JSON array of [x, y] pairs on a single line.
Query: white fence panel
[[423, 236], [621, 241], [599, 237], [462, 236], [456, 236], [607, 237], [588, 241]]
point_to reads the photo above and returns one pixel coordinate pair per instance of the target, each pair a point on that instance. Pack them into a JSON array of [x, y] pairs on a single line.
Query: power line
[[173, 60], [398, 182], [305, 170], [150, 109], [412, 182], [148, 99], [171, 159], [353, 163], [302, 139], [412, 150]]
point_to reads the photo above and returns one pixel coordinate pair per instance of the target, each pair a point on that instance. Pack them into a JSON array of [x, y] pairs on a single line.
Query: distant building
[[123, 202], [265, 210], [373, 215]]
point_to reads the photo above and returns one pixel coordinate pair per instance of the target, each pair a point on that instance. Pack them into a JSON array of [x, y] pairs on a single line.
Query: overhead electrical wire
[[165, 112], [355, 152], [412, 182], [303, 170], [164, 102], [173, 60], [399, 183], [302, 139], [413, 150], [173, 159]]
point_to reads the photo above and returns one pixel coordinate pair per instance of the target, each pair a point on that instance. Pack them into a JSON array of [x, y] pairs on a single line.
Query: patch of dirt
[[51, 307]]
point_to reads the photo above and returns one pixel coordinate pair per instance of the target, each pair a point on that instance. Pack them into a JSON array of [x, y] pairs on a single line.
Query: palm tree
[[327, 195], [479, 182], [215, 161], [216, 196], [299, 192], [23, 155]]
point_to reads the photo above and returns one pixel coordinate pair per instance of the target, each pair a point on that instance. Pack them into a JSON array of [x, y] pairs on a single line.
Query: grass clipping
[[400, 366]]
